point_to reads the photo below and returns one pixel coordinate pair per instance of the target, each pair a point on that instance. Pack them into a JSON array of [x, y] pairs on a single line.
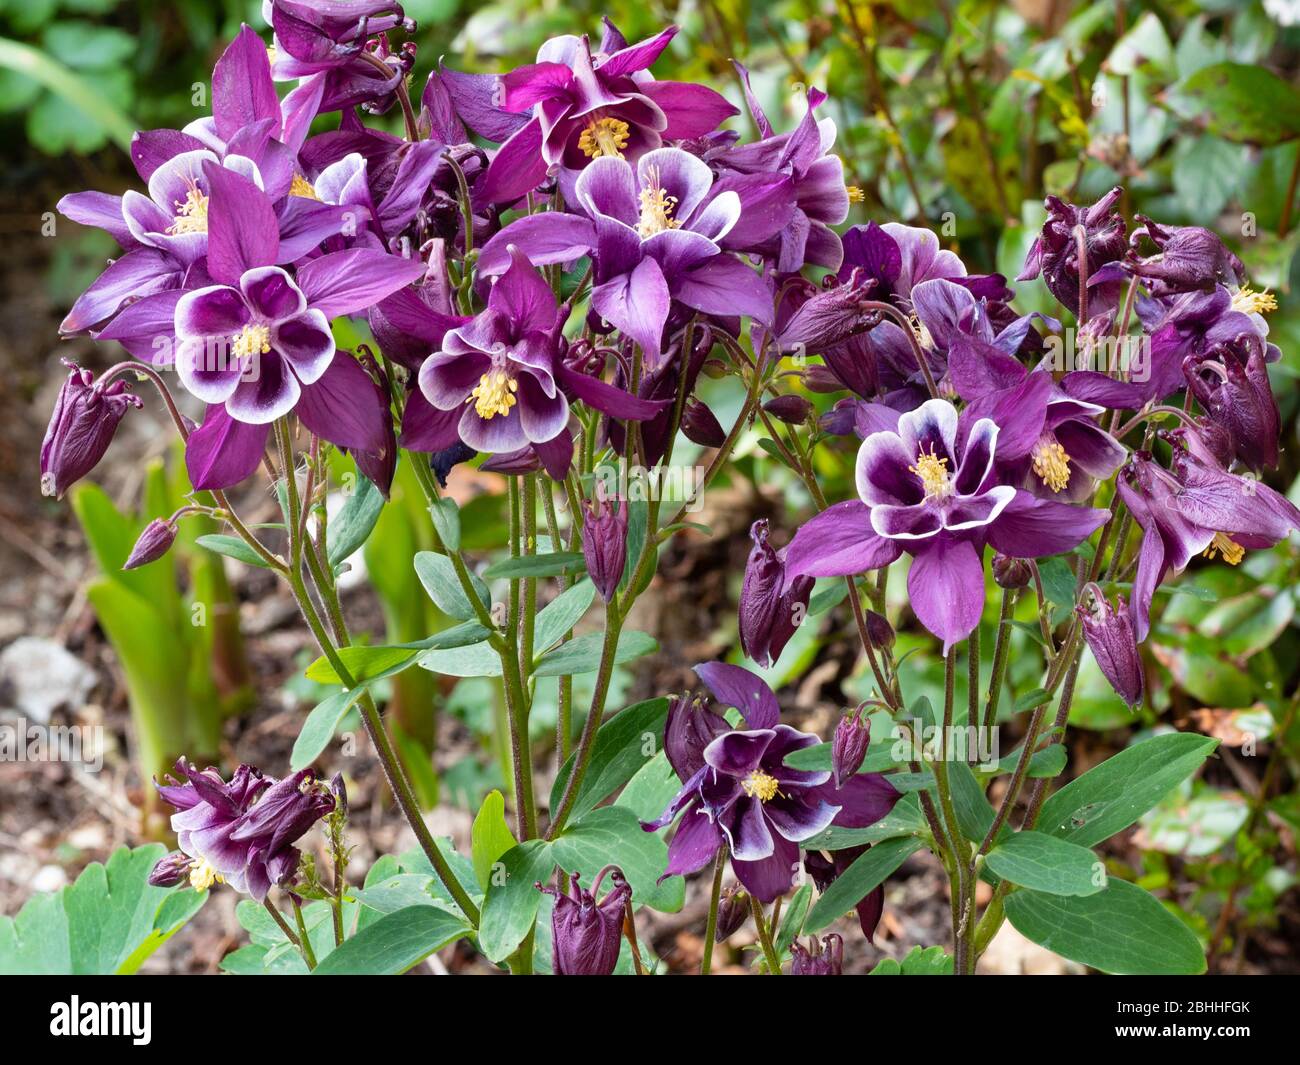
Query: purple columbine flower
[[771, 607], [817, 959], [1230, 381], [1109, 633], [933, 492], [573, 106], [604, 544], [1189, 259], [242, 832], [654, 233], [1055, 253], [739, 793], [1195, 507], [82, 426], [1051, 444], [585, 933]]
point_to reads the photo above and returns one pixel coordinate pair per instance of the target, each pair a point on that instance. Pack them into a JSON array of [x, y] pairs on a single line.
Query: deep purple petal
[[840, 541], [222, 452], [746, 691], [945, 586]]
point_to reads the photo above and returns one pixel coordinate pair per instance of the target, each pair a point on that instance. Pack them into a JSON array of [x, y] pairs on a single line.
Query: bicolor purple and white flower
[[931, 488]]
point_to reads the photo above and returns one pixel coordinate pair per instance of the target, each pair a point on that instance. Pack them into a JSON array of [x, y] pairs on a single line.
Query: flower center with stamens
[[192, 214], [494, 394], [203, 876], [856, 195], [762, 786], [252, 340], [1051, 463], [1225, 546], [656, 209], [304, 188], [1248, 301], [933, 473], [604, 136], [921, 333]]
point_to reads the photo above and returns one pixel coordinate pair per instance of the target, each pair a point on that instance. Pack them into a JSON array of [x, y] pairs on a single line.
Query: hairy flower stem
[[403, 97], [711, 922], [962, 900], [304, 940], [900, 319], [765, 937], [1001, 656]]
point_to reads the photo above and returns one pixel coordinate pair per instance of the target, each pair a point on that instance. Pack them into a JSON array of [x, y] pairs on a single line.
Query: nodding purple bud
[[692, 725], [170, 870], [733, 908], [1110, 637], [81, 428], [879, 630], [824, 959], [849, 746], [154, 542], [585, 933], [340, 792], [604, 545], [1231, 383], [1191, 259], [1055, 254], [791, 409], [770, 607], [1011, 572], [715, 369], [700, 425], [819, 378]]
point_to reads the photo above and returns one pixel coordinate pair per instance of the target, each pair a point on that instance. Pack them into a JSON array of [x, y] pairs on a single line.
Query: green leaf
[[349, 530], [582, 654], [920, 961], [792, 919], [231, 547], [622, 746], [1032, 699], [552, 565], [438, 575], [975, 815], [446, 520], [561, 614], [825, 598], [320, 726], [1240, 102], [367, 664], [863, 876], [510, 905], [93, 104], [1110, 797], [1058, 583], [612, 834], [95, 47], [1045, 863], [395, 943], [491, 836], [109, 921], [475, 660], [1122, 930]]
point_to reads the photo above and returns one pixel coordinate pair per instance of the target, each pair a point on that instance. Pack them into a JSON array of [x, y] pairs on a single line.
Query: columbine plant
[[547, 262]]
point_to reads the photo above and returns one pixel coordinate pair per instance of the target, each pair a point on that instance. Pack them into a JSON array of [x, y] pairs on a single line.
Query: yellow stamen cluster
[[1051, 463], [203, 876], [762, 786], [192, 215], [933, 473], [1224, 545], [656, 209], [494, 394], [252, 340], [856, 195], [304, 188], [604, 136], [1248, 301]]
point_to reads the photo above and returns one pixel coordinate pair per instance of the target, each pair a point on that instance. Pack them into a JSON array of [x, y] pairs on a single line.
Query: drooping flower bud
[[824, 959], [770, 608], [789, 408], [170, 870], [81, 428], [691, 727], [849, 745], [1055, 254], [733, 909], [879, 630], [700, 425], [154, 542], [1109, 634], [604, 545], [1231, 382], [585, 933], [340, 792], [819, 378], [1011, 572]]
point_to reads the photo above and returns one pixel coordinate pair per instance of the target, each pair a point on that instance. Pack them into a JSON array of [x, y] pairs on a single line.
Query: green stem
[[765, 937], [711, 923], [304, 940], [1001, 656]]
